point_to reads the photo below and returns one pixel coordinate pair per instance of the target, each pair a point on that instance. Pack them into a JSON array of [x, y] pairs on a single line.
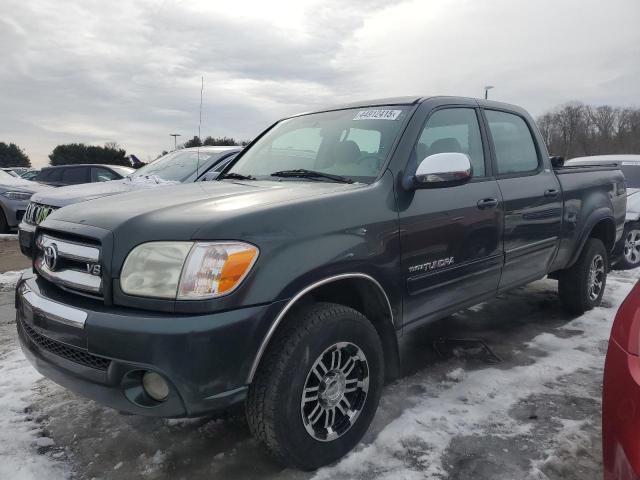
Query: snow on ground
[[20, 436], [8, 236], [480, 403], [8, 280]]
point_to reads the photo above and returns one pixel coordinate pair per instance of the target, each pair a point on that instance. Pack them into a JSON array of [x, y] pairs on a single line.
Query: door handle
[[552, 192], [487, 203]]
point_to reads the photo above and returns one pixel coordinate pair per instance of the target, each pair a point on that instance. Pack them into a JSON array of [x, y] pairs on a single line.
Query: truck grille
[[73, 354], [70, 264], [36, 213]]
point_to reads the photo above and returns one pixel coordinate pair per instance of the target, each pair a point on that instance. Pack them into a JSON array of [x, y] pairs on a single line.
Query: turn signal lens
[[215, 269]]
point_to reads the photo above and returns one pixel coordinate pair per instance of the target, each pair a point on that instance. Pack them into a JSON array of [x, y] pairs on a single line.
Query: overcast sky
[[129, 71]]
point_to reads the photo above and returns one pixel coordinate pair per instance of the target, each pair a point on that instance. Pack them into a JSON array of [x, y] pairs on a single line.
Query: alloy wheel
[[335, 391]]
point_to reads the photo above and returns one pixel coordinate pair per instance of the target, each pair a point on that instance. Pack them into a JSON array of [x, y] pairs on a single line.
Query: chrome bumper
[[51, 310]]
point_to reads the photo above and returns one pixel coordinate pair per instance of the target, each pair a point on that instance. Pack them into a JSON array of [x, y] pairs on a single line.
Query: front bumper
[[26, 235], [101, 352], [14, 211]]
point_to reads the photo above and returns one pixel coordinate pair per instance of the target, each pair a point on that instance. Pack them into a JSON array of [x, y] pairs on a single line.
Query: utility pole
[[486, 91], [175, 139]]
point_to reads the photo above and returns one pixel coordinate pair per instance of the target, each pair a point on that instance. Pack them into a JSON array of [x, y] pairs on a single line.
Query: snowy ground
[[534, 415]]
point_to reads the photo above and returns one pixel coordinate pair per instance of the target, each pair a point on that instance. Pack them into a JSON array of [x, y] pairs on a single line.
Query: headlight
[[17, 195], [186, 270]]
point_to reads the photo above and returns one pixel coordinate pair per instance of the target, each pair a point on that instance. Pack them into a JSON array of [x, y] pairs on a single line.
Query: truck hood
[[63, 196], [180, 211]]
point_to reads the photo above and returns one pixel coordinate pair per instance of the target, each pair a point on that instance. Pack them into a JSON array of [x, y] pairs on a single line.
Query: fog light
[[155, 386]]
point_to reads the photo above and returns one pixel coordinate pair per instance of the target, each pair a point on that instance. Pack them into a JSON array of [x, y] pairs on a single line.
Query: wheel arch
[[602, 226], [359, 291]]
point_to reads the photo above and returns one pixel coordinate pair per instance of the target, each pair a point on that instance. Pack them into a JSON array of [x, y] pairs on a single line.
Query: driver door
[[451, 237]]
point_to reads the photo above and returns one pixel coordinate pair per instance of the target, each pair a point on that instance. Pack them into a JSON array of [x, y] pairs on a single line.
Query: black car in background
[[76, 174]]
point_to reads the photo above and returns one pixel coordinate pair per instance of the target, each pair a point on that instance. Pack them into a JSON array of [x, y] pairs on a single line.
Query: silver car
[[14, 198]]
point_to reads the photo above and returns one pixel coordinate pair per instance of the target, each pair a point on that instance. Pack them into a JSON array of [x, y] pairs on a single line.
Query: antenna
[[199, 125]]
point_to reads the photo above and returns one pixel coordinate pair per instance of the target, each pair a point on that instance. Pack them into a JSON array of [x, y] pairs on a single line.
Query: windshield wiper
[[304, 173], [236, 176]]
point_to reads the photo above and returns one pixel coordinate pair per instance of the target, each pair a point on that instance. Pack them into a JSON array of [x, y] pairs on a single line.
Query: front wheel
[[318, 387], [582, 285]]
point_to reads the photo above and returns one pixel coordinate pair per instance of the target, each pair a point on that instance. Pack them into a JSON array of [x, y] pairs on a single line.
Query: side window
[[55, 174], [453, 130], [513, 143], [74, 176], [99, 174]]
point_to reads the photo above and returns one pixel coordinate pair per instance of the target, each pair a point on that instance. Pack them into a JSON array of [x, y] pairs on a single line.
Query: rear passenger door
[[531, 195], [451, 237]]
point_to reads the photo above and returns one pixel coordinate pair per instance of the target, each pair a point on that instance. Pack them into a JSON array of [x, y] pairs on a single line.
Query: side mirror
[[443, 170], [557, 161]]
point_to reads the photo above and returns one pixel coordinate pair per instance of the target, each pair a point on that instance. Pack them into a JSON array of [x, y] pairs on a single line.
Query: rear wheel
[[581, 287], [318, 387], [630, 257]]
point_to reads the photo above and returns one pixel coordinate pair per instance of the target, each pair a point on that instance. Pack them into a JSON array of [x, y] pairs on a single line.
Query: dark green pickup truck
[[286, 283]]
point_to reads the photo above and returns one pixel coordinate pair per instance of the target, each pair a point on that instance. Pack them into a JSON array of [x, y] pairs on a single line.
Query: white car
[[629, 250]]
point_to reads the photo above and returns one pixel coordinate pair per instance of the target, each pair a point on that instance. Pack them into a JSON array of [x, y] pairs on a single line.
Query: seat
[[445, 145], [346, 152]]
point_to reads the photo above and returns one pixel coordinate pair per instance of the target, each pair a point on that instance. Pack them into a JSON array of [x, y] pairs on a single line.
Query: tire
[[630, 254], [579, 287], [4, 225], [275, 407]]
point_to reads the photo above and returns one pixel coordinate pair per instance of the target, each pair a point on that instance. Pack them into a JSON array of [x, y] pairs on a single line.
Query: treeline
[[576, 130], [12, 155], [75, 153], [227, 141]]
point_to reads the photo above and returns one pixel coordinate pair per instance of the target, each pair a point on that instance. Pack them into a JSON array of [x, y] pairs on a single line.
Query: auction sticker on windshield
[[378, 115]]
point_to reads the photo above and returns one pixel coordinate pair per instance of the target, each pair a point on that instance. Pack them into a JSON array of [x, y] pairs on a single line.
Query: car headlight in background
[[17, 195], [186, 270]]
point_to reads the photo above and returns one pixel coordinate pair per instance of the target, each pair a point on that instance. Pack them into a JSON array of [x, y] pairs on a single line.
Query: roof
[[413, 100], [86, 165], [604, 159]]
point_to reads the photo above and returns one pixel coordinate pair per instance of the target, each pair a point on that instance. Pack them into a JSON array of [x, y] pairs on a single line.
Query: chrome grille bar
[[69, 264], [70, 250], [70, 278]]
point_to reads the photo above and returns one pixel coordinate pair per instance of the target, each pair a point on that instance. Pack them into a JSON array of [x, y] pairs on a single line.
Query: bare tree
[[575, 129]]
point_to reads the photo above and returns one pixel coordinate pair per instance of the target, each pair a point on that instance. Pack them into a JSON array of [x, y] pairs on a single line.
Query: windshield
[[178, 166], [631, 174], [351, 143]]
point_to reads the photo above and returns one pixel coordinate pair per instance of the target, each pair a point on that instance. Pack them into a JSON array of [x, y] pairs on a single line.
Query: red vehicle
[[621, 394]]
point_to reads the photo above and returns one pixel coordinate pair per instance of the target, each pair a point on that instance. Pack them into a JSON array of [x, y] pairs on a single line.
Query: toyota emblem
[[51, 256]]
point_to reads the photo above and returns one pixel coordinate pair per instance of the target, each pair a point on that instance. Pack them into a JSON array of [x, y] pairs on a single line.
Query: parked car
[[30, 174], [286, 284], [627, 252], [17, 170], [14, 197], [182, 166], [61, 175], [621, 394]]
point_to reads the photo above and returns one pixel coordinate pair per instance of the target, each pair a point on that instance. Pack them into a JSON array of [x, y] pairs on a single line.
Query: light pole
[[175, 139], [486, 91]]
